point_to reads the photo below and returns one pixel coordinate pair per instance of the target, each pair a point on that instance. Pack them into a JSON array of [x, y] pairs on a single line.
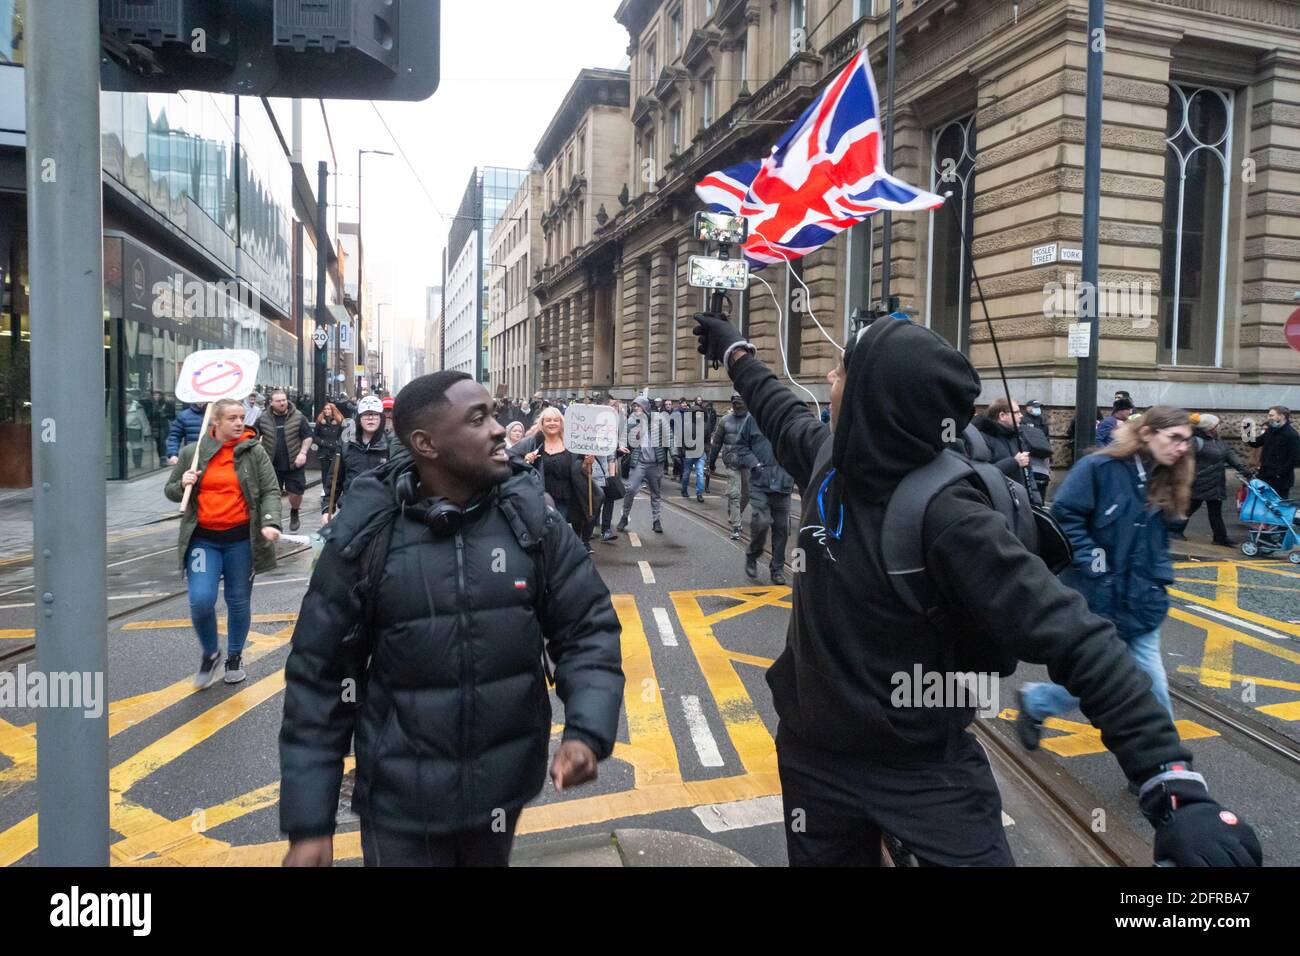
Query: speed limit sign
[[320, 337]]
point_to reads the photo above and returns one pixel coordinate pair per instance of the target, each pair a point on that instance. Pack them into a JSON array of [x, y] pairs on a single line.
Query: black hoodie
[[907, 394]]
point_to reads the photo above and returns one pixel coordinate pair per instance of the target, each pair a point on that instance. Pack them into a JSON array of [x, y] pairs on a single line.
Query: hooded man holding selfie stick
[[852, 760]]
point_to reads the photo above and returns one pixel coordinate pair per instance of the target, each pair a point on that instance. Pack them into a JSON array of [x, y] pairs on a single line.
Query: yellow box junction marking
[[151, 839], [1081, 739]]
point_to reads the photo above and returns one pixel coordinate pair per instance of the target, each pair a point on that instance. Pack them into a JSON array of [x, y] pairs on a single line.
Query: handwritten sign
[[214, 374], [591, 430]]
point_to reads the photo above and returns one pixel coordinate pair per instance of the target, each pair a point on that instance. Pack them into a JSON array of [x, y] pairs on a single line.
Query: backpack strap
[[373, 561], [1011, 500], [902, 535]]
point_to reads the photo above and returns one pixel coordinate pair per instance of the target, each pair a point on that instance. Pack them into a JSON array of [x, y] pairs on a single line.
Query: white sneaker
[[207, 674]]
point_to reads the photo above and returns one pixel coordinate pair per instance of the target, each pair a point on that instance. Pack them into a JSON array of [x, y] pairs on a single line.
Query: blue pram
[[1273, 522]]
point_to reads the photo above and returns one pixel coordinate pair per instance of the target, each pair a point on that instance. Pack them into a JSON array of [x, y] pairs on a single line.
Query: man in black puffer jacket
[[854, 755], [440, 672]]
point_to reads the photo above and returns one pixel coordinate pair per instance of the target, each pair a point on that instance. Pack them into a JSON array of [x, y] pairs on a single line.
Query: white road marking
[[1006, 819], [701, 736], [1238, 622], [647, 575], [665, 625], [634, 538], [740, 814], [258, 584]]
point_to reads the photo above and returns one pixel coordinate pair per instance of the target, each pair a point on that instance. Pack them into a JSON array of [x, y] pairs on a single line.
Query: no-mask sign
[[214, 374], [591, 430]]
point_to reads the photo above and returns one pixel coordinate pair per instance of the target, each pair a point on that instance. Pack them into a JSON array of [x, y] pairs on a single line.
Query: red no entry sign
[[217, 378], [1293, 330], [214, 374]]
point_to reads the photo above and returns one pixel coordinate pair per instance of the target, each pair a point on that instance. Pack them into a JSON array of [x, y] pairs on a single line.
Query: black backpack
[[902, 536]]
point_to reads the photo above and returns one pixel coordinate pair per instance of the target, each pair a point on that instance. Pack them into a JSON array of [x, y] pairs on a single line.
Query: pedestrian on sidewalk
[[184, 430], [438, 590], [228, 531], [855, 757], [1280, 451], [770, 487], [1119, 414], [648, 440], [1115, 507], [1209, 486], [286, 438], [367, 447], [724, 440]]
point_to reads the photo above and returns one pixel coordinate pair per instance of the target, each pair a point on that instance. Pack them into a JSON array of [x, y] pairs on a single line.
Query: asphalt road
[[195, 775]]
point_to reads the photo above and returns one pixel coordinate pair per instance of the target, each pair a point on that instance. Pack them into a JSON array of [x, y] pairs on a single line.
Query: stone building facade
[[1200, 247], [583, 155], [514, 247]]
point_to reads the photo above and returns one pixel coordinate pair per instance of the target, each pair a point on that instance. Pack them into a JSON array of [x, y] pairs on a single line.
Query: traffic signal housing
[[327, 49]]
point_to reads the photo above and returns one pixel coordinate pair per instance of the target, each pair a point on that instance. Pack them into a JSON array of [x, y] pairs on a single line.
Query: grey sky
[[506, 65]]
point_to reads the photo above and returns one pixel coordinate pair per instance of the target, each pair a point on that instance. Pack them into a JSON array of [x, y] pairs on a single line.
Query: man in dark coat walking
[[1281, 451], [422, 632]]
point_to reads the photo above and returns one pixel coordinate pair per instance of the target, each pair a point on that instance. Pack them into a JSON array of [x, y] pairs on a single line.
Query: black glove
[[716, 336], [1194, 830]]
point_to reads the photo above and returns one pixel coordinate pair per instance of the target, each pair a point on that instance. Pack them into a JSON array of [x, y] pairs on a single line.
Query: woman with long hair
[[1116, 506], [228, 531], [332, 431], [564, 474]]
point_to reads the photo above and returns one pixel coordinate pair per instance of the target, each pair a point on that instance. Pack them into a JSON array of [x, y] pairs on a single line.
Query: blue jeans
[[205, 565], [1051, 700], [693, 465]]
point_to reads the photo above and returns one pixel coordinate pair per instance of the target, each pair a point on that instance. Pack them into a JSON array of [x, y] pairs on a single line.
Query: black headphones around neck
[[441, 516]]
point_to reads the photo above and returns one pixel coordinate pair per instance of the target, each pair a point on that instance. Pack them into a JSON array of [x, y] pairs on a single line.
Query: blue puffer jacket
[[1121, 547], [184, 429]]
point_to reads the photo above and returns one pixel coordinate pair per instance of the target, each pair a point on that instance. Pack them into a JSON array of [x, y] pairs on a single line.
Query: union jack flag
[[825, 174]]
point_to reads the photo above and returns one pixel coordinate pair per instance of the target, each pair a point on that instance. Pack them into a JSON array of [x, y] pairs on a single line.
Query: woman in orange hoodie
[[229, 529]]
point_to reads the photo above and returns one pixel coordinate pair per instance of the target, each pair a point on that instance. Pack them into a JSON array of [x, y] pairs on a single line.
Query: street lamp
[[361, 244], [499, 265]]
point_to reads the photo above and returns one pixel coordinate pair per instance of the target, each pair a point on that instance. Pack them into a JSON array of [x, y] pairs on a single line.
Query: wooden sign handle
[[203, 430]]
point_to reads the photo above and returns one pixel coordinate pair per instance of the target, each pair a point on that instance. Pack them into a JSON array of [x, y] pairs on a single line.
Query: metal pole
[[886, 250], [361, 242], [65, 237], [1085, 395], [321, 355]]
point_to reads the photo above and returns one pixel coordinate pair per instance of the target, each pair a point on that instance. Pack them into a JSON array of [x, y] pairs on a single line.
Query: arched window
[[947, 305], [1194, 242]]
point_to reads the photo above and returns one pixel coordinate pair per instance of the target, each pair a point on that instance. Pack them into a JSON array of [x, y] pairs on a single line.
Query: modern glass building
[[486, 197]]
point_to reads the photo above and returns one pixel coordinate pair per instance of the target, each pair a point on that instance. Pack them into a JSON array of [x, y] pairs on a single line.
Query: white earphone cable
[[780, 339]]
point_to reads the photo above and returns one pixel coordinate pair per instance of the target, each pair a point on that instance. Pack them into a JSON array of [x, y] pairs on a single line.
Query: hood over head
[[907, 391]]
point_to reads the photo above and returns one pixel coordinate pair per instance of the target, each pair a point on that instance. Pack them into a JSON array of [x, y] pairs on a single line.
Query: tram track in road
[[1063, 800], [1241, 725], [17, 654]]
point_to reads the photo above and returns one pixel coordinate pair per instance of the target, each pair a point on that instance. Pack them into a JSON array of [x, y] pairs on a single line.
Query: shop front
[[157, 314]]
